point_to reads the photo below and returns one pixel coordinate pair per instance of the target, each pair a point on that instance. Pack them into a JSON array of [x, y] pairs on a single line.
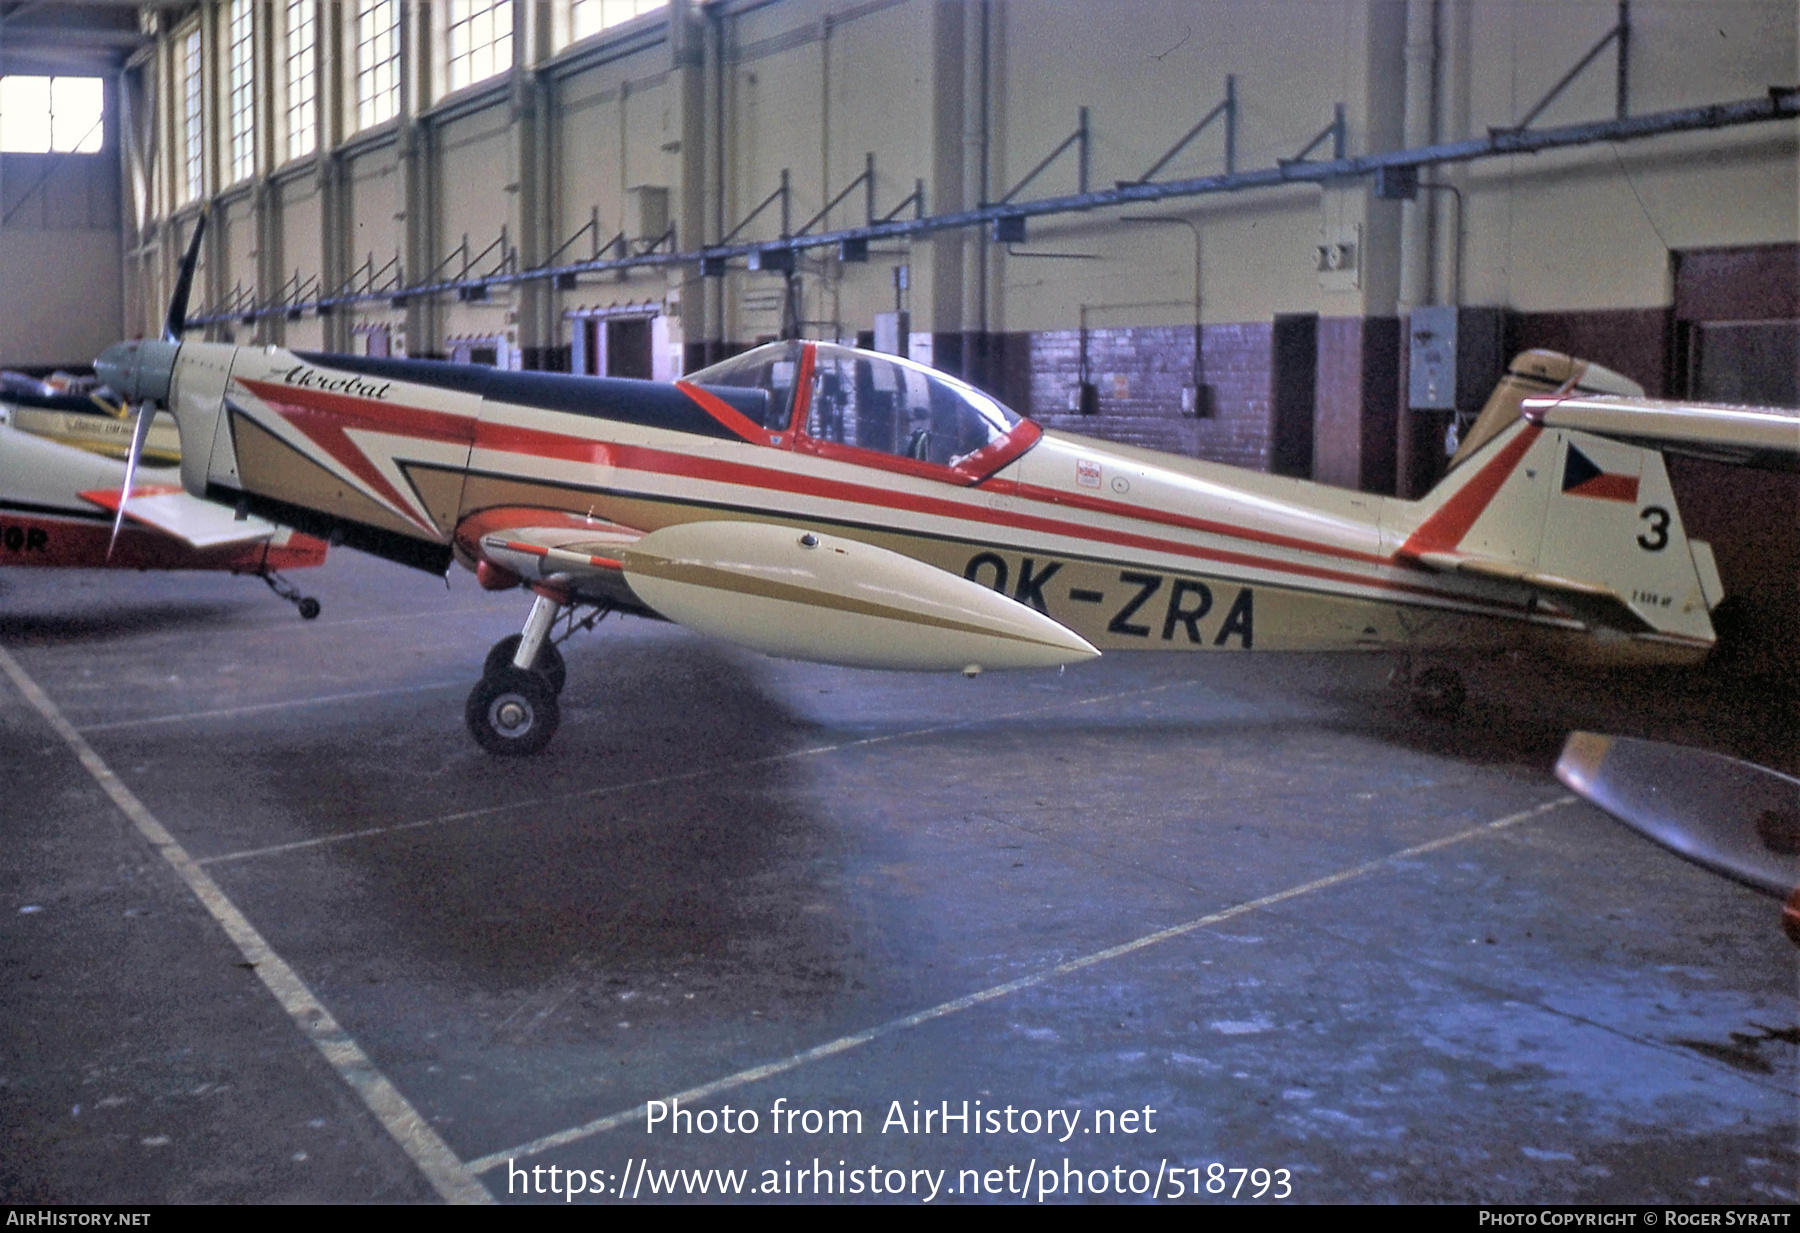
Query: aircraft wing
[[1593, 602], [1763, 437], [173, 512]]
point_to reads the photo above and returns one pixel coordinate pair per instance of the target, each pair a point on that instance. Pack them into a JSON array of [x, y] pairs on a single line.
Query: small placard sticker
[[1087, 474]]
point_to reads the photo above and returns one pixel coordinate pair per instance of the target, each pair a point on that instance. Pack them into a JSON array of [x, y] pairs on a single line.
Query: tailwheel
[[549, 661], [307, 605], [1438, 693], [512, 712]]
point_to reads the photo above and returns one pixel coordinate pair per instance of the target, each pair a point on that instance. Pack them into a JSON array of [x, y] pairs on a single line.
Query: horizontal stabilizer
[[1593, 602], [174, 512], [1763, 437]]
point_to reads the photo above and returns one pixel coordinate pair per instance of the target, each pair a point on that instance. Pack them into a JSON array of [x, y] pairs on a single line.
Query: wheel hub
[[510, 715]]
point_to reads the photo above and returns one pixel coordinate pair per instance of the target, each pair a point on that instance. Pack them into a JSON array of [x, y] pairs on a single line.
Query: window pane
[[592, 16], [25, 115], [241, 92], [302, 81], [479, 40], [377, 67], [193, 180], [77, 105]]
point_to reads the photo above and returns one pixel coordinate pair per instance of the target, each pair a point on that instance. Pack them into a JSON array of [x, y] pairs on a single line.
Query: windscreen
[[769, 369], [877, 403]]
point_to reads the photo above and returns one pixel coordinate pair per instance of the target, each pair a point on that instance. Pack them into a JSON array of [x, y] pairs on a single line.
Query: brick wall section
[[1630, 341], [1140, 371], [1356, 421]]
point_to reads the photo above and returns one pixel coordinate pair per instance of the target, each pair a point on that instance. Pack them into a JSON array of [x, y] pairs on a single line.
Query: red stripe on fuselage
[[686, 466], [1100, 505]]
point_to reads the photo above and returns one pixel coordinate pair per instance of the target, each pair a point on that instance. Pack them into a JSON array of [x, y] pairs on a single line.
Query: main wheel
[[549, 661], [309, 608], [1438, 693], [512, 712]]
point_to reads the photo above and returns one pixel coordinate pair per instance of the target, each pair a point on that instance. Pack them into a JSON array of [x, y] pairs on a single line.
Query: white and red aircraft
[[65, 475], [59, 503], [818, 502]]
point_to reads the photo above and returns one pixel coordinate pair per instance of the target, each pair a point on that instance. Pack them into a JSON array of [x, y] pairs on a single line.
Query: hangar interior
[[1405, 967]]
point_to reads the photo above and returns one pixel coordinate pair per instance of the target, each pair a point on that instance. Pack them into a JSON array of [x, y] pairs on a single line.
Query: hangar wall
[[60, 222], [687, 118]]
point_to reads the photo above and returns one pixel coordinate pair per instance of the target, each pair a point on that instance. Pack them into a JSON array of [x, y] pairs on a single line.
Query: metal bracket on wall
[[1334, 130], [366, 274], [716, 268], [1227, 108], [1621, 32], [1078, 139], [866, 179]]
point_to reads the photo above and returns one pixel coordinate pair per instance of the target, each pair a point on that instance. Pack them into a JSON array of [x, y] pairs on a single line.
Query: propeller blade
[[176, 321], [139, 434]]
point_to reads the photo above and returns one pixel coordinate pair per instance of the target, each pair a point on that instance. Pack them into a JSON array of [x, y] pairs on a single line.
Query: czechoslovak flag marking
[[1582, 477]]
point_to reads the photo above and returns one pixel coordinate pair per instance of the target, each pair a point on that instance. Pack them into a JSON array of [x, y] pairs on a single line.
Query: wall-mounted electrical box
[[1456, 357]]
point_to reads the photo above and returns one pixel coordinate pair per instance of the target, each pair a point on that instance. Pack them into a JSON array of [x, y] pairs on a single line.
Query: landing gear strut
[[513, 709], [308, 606]]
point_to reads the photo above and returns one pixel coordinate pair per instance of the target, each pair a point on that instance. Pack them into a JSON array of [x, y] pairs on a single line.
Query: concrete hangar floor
[[1254, 895]]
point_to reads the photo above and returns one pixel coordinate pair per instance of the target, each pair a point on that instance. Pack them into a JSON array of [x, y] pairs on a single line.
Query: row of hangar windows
[[475, 43]]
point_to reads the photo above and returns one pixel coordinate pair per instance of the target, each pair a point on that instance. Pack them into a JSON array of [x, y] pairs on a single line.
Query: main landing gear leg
[[308, 606], [512, 710]]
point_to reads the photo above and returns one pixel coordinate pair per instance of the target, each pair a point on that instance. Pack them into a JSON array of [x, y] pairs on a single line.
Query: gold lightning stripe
[[694, 574]]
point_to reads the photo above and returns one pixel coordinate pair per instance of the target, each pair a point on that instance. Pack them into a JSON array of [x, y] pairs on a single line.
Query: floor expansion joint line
[[844, 1044], [812, 751], [255, 707], [448, 1175]]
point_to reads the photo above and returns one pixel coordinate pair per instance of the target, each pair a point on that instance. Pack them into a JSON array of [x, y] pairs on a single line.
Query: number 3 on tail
[[1656, 538]]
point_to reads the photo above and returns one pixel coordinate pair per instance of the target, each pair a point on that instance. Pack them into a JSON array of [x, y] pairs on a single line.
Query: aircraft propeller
[[124, 369]]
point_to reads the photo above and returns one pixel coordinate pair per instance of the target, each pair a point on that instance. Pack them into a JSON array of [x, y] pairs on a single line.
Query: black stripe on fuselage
[[652, 404], [422, 554]]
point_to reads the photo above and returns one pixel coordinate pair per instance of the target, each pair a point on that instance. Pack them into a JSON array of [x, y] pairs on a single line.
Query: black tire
[[1438, 693], [512, 713], [309, 608], [549, 661]]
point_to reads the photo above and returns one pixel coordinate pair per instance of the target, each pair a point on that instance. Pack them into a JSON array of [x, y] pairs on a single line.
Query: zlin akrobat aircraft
[[818, 502]]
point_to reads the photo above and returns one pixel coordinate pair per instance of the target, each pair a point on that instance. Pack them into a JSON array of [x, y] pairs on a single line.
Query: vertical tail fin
[[1538, 374], [1586, 523]]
